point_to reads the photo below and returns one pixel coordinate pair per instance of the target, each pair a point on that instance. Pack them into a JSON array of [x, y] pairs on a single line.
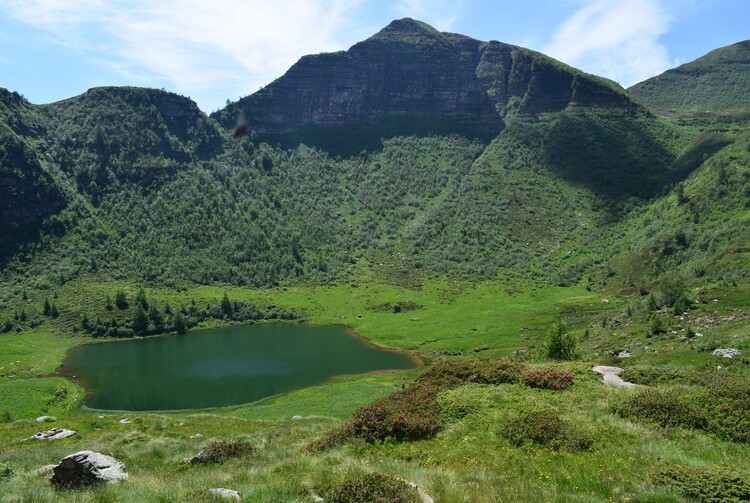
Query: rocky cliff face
[[411, 79]]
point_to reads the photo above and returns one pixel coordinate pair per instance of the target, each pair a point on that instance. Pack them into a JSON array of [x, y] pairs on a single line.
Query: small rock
[[198, 435], [43, 470], [226, 493], [296, 418], [44, 419], [315, 497], [100, 417], [87, 468], [715, 301], [54, 434], [124, 421], [698, 334], [622, 354], [414, 319], [605, 301], [727, 353], [735, 337], [197, 459]]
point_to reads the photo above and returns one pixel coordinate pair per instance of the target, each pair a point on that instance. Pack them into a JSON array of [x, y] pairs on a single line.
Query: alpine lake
[[220, 367]]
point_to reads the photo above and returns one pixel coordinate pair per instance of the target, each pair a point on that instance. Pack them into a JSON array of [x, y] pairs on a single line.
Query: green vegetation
[[711, 87], [586, 232]]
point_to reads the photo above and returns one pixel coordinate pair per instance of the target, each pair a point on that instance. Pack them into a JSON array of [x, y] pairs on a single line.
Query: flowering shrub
[[409, 414], [372, 488], [731, 421], [548, 379]]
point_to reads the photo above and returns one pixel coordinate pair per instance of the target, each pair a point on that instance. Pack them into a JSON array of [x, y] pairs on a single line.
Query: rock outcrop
[[54, 434], [411, 79], [88, 468]]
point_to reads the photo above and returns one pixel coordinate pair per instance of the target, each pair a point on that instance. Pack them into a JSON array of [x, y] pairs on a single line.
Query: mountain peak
[[411, 79]]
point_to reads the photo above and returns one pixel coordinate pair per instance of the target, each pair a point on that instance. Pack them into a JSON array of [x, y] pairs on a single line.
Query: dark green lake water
[[220, 367]]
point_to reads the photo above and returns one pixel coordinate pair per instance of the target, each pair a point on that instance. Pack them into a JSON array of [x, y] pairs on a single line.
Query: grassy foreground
[[472, 458]]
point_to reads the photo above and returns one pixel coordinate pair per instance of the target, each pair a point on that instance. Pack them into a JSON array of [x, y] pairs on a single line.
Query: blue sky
[[221, 49]]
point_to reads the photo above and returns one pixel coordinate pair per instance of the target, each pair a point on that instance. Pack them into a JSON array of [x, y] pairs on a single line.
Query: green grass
[[30, 398]]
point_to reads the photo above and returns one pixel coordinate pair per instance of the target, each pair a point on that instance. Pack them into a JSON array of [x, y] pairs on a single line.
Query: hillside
[[507, 220], [714, 85]]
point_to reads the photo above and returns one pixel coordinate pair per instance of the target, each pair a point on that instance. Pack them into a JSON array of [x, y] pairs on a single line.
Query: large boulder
[[54, 434], [87, 468]]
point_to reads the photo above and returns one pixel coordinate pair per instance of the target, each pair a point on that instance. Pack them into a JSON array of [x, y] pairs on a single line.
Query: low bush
[[454, 372], [223, 450], [5, 471], [732, 421], [662, 407], [372, 488], [649, 376], [709, 484], [546, 428], [548, 379], [333, 438], [723, 383], [409, 414], [459, 402]]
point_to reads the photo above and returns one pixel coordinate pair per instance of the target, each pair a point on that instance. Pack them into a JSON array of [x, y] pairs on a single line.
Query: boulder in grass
[[54, 434], [87, 468], [227, 494]]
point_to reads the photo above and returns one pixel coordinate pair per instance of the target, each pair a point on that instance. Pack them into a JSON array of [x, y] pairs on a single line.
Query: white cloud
[[615, 39], [208, 50]]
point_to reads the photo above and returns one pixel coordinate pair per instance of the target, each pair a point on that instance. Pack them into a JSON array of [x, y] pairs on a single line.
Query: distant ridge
[[717, 83]]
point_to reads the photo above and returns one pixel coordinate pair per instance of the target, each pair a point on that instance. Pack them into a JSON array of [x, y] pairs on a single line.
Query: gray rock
[[622, 354], [228, 494], [296, 418], [727, 353], [197, 459], [54, 434], [124, 421], [87, 468], [44, 419], [43, 470], [612, 377]]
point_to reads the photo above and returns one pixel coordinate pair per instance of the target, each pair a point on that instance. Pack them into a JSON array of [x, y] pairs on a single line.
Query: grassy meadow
[[470, 459]]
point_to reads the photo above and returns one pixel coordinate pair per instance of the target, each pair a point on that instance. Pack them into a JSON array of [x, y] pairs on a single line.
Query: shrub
[[372, 488], [662, 407], [541, 427], [710, 484], [5, 471], [223, 450], [333, 438], [723, 384], [731, 421], [548, 379], [458, 371], [409, 414], [559, 343], [458, 403], [649, 376]]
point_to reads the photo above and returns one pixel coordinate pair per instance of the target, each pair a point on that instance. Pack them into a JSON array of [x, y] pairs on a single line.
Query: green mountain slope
[[715, 84], [28, 193]]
